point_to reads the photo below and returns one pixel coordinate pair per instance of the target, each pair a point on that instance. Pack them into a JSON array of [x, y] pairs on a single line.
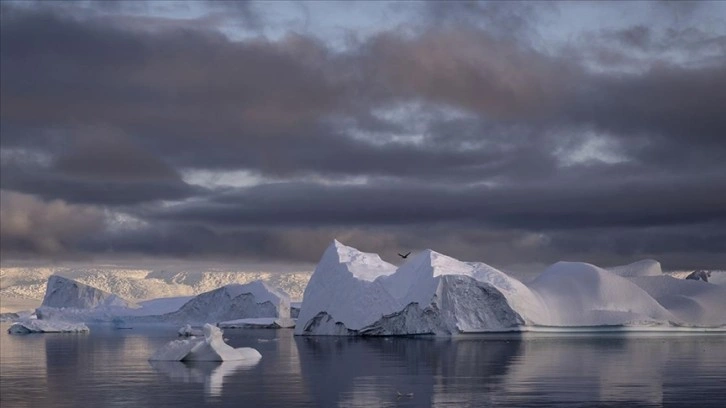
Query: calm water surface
[[109, 368]]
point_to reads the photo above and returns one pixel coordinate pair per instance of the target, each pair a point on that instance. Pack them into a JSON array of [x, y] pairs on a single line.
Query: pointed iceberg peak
[[438, 264], [64, 292], [339, 252], [363, 265]]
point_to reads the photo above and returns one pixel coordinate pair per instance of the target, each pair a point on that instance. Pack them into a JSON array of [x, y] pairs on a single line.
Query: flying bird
[[405, 256]]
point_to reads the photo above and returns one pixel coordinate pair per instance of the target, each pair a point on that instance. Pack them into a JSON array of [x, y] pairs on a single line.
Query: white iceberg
[[209, 348], [694, 303], [344, 283], [64, 292], [235, 301], [354, 293], [69, 300], [581, 294], [45, 326]]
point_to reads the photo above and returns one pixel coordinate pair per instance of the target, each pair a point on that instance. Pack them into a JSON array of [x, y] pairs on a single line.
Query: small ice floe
[[46, 326], [188, 331], [209, 348]]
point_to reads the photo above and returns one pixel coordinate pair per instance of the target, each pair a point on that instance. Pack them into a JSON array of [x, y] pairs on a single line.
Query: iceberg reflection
[[209, 373], [510, 370]]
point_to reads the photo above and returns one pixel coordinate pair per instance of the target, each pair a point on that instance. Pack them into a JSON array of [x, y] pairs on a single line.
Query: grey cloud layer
[[456, 125]]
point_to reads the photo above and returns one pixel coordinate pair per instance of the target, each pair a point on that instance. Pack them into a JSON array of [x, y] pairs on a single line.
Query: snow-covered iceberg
[[73, 301], [235, 301], [45, 326], [209, 348], [64, 292], [355, 293], [69, 300]]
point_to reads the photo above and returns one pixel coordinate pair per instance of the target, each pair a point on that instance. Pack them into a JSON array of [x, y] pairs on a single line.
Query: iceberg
[[44, 326], [581, 294], [235, 301], [356, 293], [694, 303], [63, 292], [69, 300], [209, 348], [345, 283]]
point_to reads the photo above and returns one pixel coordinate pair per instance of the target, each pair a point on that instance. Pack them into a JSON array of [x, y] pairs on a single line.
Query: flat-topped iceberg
[[211, 347], [354, 293], [46, 326]]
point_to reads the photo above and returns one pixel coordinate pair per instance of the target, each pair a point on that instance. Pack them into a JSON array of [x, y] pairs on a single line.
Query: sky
[[513, 133]]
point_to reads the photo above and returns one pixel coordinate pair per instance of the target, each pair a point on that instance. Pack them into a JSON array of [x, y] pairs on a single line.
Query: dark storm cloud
[[471, 69], [50, 185], [93, 165], [651, 105], [107, 155], [473, 138], [551, 206], [31, 226]]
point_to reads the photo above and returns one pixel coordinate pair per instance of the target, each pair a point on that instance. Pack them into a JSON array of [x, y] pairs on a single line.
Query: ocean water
[[109, 368]]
